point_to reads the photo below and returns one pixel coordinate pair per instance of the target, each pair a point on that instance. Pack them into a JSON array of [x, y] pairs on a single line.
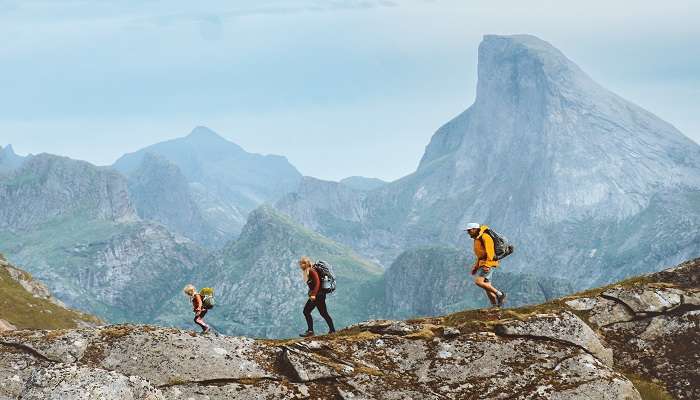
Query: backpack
[[207, 298], [325, 272], [501, 245]]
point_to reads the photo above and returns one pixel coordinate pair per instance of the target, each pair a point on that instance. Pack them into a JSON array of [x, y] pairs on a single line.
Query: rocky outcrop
[[549, 351], [153, 363], [563, 327]]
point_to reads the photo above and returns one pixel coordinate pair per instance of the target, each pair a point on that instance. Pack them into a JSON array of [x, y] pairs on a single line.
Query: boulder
[[564, 327], [646, 299], [304, 368]]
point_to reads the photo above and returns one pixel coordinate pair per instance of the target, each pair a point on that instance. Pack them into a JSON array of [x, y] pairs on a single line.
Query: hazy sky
[[340, 87]]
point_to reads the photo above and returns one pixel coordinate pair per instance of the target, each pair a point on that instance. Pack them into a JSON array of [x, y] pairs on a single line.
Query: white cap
[[472, 225]]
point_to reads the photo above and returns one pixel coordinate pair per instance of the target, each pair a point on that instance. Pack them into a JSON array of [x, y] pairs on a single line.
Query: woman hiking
[[317, 297], [197, 307]]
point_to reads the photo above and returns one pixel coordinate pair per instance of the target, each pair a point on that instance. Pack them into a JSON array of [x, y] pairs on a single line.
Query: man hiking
[[486, 261], [317, 297]]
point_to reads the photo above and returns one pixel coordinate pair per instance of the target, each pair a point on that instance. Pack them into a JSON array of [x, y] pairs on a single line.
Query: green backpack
[[207, 298]]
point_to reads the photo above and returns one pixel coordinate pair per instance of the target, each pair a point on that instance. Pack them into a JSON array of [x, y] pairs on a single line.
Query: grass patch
[[23, 310], [647, 389]]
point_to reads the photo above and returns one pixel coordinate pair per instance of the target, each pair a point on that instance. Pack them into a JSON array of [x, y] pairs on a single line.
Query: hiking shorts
[[484, 274]]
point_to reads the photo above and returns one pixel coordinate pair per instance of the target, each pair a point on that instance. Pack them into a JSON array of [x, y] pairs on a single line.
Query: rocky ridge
[[551, 351]]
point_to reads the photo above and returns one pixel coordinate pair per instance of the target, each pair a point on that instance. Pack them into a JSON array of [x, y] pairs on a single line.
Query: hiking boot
[[501, 299], [307, 334], [204, 332]]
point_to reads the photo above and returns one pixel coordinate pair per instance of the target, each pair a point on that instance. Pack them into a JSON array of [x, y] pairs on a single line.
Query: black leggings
[[199, 320], [320, 303]]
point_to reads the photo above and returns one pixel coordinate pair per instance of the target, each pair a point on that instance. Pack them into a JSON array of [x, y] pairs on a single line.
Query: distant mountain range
[[225, 182], [589, 187]]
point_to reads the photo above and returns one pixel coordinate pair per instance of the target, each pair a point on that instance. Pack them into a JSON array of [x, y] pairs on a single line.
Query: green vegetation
[[25, 311], [647, 389]]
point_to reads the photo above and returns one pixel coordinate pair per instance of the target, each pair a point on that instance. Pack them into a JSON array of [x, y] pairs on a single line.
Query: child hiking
[[198, 307], [317, 294], [489, 248]]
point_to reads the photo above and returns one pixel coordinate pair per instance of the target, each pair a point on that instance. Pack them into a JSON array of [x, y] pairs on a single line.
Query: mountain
[[574, 175], [634, 340], [436, 280], [28, 304], [160, 193], [72, 225], [9, 161], [362, 183], [259, 287], [227, 182]]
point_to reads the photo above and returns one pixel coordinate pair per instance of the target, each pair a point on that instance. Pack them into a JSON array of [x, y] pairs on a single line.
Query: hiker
[[317, 296], [198, 307], [486, 261]]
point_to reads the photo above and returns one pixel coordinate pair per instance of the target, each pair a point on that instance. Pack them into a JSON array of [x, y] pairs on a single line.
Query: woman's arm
[[317, 283]]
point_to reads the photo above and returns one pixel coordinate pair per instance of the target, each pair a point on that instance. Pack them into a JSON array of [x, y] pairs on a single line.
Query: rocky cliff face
[[570, 348], [73, 226], [436, 280], [160, 193], [546, 156], [222, 174], [260, 288], [48, 187], [28, 304]]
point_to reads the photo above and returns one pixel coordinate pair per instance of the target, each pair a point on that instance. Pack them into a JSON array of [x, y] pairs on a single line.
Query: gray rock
[[71, 382], [647, 299], [67, 346], [582, 303], [565, 327], [305, 368], [606, 312], [169, 356]]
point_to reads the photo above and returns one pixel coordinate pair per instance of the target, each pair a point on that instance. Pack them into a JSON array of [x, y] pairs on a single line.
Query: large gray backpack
[[325, 272], [501, 245]]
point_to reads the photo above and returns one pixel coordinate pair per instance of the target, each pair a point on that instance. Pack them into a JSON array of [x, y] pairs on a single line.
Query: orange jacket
[[484, 249]]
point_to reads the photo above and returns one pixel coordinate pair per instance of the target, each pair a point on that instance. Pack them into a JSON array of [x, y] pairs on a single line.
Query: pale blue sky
[[340, 87]]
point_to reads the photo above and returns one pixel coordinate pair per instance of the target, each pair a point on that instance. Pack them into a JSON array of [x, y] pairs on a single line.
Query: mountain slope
[[73, 226], [225, 175], [161, 193], [259, 285], [545, 155], [27, 304], [633, 340]]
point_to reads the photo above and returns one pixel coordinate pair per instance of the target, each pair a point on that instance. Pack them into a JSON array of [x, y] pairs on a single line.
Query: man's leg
[[491, 291]]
